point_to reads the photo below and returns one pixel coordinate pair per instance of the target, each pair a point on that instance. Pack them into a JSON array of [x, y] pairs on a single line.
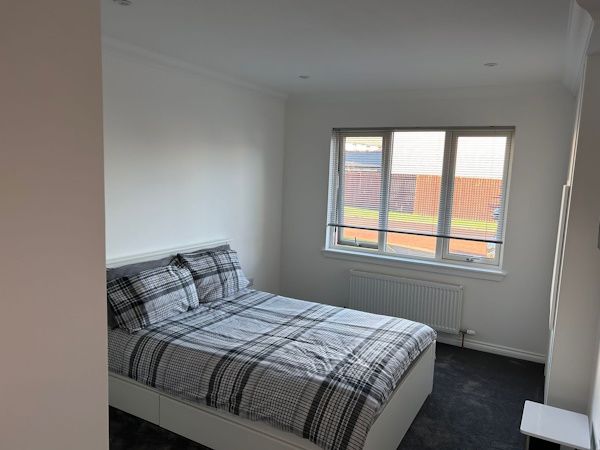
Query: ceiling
[[353, 44]]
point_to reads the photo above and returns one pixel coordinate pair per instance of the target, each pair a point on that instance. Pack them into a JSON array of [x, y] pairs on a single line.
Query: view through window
[[432, 194]]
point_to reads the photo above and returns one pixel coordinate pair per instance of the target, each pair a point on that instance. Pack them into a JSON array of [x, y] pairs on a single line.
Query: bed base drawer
[[219, 432], [134, 399], [222, 431]]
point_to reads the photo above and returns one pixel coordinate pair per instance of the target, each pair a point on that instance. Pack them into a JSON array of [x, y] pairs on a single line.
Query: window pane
[[414, 192], [472, 248], [362, 188], [477, 197]]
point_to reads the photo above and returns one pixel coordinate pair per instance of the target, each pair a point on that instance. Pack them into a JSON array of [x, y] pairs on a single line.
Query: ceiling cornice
[[592, 7], [579, 32], [110, 43]]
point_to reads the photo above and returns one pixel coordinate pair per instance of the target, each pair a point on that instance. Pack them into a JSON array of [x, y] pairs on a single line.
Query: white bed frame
[[223, 431]]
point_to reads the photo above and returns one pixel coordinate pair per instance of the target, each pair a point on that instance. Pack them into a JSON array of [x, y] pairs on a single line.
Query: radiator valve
[[463, 333]]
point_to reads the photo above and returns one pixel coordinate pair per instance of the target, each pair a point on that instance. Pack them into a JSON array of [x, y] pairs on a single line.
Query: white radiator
[[438, 305]]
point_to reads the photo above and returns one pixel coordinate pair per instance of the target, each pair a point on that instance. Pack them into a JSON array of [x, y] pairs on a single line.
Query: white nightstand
[[555, 425]]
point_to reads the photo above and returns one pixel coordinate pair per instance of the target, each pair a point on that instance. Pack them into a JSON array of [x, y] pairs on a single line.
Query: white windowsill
[[417, 264]]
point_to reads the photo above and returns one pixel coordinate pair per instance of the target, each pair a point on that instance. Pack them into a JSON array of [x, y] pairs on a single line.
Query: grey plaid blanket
[[319, 371]]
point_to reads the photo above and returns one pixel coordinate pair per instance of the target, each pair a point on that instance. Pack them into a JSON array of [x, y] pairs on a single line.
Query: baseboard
[[492, 348]]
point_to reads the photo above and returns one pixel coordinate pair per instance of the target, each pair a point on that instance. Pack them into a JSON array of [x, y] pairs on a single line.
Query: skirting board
[[492, 348]]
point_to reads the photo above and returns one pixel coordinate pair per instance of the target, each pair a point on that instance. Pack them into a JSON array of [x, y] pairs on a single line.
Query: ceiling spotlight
[[491, 64], [304, 77], [123, 2]]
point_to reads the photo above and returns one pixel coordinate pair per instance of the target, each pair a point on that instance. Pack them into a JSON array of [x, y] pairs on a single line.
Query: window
[[435, 194]]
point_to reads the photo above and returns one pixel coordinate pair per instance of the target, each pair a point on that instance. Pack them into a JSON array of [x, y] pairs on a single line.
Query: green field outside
[[365, 213]]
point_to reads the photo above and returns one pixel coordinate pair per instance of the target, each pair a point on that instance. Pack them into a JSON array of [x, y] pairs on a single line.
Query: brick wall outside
[[363, 189], [474, 198]]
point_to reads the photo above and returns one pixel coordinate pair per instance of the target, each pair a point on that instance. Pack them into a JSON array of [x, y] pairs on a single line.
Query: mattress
[[319, 371]]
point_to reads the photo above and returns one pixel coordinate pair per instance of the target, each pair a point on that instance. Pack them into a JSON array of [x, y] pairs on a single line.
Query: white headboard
[[156, 254]]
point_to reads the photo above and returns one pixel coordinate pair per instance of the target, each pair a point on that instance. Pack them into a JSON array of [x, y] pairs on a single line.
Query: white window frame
[[443, 257]]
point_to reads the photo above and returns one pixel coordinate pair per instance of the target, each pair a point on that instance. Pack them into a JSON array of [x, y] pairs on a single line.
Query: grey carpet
[[476, 404]]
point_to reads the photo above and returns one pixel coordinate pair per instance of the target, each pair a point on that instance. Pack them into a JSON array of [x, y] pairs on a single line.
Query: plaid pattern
[[217, 274], [321, 372], [151, 296]]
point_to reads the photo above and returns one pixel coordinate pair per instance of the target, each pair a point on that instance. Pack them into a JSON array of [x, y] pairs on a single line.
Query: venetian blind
[[437, 183]]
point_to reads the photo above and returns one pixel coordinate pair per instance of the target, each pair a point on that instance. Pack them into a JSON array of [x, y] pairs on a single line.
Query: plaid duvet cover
[[319, 371]]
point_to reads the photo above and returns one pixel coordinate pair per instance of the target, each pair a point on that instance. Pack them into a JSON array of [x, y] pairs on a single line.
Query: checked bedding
[[319, 371]]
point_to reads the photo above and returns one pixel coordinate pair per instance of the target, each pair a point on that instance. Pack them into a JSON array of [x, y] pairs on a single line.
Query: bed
[[257, 370]]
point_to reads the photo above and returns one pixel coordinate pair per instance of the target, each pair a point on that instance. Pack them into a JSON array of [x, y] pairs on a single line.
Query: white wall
[[511, 313], [53, 385], [190, 158]]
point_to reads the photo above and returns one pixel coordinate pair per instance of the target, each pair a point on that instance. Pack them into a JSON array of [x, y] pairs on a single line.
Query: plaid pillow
[[217, 274], [151, 296]]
